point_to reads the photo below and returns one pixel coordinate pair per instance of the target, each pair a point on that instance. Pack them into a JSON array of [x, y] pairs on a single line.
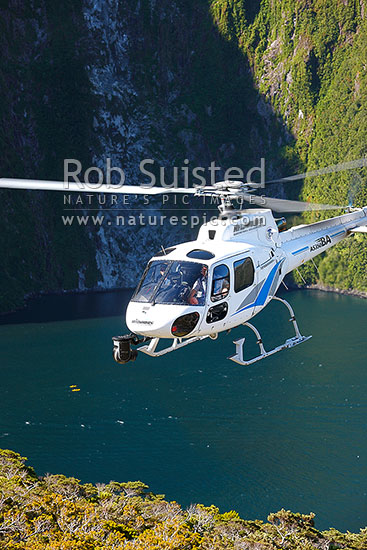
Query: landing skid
[[123, 353], [290, 343], [177, 343]]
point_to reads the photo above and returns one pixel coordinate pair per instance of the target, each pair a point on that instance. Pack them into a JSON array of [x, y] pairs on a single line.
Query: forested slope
[[55, 512], [309, 62], [228, 81]]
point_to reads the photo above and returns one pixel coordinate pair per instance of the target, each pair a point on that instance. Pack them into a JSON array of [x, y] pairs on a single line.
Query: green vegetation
[[223, 80], [55, 512], [308, 61]]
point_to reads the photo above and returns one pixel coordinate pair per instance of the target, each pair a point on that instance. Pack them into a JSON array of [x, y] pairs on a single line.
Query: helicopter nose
[[161, 321]]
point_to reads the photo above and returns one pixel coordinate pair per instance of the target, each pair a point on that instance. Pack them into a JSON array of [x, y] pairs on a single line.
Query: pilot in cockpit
[[198, 291]]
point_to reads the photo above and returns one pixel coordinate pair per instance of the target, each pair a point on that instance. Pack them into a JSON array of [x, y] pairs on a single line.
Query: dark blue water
[[290, 431]]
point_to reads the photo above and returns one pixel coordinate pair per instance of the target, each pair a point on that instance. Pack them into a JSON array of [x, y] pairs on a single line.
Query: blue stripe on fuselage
[[300, 250], [263, 294], [337, 234]]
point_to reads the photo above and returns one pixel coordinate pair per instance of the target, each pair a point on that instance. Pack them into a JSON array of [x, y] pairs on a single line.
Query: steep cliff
[[46, 114], [91, 80], [308, 60], [227, 81]]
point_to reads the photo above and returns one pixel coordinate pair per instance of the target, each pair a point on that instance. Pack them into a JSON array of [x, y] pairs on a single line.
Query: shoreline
[[325, 288], [34, 296], [29, 298]]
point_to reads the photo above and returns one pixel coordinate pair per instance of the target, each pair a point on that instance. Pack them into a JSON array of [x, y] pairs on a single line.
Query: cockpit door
[[245, 285], [217, 297]]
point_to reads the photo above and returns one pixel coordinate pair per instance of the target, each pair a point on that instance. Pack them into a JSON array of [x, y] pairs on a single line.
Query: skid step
[[177, 343]]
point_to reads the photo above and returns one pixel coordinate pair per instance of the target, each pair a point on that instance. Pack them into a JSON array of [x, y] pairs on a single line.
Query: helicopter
[[223, 279]]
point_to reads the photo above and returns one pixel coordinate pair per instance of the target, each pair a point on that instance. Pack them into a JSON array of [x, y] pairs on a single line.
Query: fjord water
[[290, 431]]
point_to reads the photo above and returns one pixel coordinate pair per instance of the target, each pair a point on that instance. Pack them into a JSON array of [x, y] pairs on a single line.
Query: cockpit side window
[[244, 273], [221, 283]]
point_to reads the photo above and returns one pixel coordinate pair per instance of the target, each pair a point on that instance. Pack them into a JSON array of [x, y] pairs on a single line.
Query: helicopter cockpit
[[172, 282]]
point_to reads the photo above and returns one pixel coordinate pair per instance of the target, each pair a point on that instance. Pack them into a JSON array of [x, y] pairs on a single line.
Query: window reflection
[[220, 285], [165, 282], [244, 274]]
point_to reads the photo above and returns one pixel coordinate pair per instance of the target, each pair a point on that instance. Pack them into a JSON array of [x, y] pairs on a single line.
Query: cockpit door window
[[244, 273], [220, 283]]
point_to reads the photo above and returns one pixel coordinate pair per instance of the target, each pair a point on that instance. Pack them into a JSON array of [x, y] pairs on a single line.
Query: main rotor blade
[[350, 165], [284, 205], [66, 187]]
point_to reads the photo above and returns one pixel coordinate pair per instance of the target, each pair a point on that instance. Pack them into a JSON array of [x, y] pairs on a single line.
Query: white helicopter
[[197, 289]]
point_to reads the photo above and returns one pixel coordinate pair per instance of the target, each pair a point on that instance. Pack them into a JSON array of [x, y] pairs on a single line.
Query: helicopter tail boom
[[302, 243]]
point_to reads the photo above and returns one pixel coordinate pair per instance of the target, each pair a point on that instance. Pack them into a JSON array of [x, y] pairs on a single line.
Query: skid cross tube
[[290, 343], [177, 343], [123, 352]]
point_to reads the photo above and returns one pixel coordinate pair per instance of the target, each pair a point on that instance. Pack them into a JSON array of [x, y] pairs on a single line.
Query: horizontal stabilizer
[[362, 229]]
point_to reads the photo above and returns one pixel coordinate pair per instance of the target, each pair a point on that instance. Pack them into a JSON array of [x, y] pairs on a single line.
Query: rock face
[[168, 87], [100, 79], [45, 115], [220, 81]]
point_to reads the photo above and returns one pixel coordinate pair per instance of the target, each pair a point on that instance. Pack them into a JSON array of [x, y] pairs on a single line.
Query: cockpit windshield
[[179, 283]]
